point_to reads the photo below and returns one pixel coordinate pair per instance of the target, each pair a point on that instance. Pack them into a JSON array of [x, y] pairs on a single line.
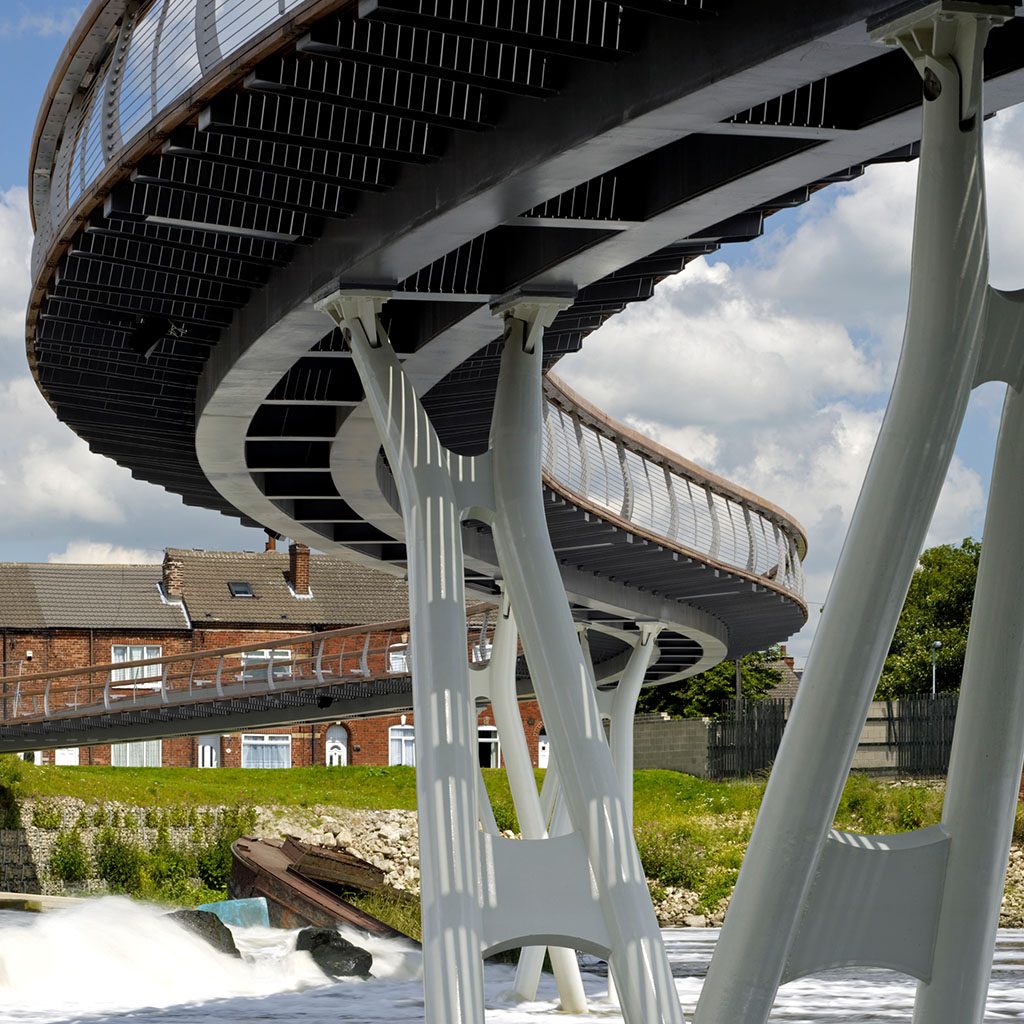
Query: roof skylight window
[[240, 588]]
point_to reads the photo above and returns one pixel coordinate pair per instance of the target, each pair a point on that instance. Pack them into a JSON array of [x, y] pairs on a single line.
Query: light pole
[[936, 644]]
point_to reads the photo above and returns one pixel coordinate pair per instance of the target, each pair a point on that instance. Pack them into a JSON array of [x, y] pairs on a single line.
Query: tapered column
[[447, 766], [591, 787], [988, 751], [624, 708], [937, 367], [526, 799]]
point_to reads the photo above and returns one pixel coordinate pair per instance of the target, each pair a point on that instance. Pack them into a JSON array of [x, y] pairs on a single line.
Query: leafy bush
[[668, 854], [12, 769], [46, 815], [69, 861], [119, 861], [99, 817], [213, 859]]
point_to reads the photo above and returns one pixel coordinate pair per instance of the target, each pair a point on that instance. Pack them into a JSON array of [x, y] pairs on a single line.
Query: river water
[[114, 960]]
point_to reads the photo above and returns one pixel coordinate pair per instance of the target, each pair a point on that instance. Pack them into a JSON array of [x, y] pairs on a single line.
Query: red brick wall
[[63, 649], [368, 737]]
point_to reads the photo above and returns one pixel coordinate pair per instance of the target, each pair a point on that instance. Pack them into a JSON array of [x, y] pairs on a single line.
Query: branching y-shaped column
[[482, 892], [590, 785], [428, 476], [804, 901]]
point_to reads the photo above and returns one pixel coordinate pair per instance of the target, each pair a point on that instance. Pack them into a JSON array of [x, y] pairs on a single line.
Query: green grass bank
[[691, 832]]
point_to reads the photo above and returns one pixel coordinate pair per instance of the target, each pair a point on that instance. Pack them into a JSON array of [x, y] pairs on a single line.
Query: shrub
[[70, 859], [99, 817], [12, 768], [46, 815], [668, 856], [213, 859], [119, 862]]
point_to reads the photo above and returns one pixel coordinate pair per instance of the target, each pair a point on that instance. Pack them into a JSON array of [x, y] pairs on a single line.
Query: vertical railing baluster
[[673, 505]]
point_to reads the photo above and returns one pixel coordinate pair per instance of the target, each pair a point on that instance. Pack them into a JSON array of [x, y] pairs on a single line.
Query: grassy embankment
[[691, 832]]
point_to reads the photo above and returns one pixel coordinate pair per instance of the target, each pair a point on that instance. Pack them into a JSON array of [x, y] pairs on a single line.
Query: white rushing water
[[113, 960]]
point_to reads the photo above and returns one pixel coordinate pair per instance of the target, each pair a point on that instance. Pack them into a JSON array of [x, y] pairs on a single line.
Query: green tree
[[701, 696], [938, 607]]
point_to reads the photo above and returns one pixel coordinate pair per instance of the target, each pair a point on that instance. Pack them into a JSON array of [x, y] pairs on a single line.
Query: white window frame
[[137, 754], [489, 734], [142, 677], [402, 745], [266, 741], [254, 663], [481, 651], [398, 658]]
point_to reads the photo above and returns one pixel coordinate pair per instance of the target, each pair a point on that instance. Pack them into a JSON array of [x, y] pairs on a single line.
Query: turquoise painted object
[[250, 913]]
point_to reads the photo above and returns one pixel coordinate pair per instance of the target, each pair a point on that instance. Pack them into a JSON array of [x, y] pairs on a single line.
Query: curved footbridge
[[309, 262]]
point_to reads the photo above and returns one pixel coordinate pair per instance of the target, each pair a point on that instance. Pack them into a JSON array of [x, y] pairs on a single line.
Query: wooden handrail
[[394, 626]]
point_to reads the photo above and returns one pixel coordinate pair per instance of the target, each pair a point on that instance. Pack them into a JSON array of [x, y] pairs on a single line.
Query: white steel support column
[[988, 751], [526, 799], [447, 766], [941, 354], [624, 708], [590, 784]]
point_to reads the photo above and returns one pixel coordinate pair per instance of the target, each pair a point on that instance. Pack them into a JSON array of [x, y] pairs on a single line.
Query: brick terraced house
[[56, 617]]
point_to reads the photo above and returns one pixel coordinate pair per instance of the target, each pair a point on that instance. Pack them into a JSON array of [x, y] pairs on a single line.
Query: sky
[[769, 363]]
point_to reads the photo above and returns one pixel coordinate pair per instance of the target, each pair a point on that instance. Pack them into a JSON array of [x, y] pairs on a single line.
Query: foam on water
[[111, 954], [114, 960]]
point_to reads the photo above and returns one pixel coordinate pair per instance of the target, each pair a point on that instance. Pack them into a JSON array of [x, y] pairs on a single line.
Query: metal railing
[[610, 467], [339, 656], [159, 52]]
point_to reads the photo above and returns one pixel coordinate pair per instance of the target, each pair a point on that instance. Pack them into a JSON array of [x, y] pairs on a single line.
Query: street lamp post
[[936, 644]]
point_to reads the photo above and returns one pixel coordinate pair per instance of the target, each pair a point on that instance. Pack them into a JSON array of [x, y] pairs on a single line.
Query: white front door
[[337, 746], [66, 755], [543, 750], [208, 752]]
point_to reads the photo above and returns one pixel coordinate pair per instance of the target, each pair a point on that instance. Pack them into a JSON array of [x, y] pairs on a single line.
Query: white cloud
[[15, 255], [773, 365], [88, 552], [58, 22]]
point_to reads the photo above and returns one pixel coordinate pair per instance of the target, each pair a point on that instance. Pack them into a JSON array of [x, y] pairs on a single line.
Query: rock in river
[[335, 956], [207, 926]]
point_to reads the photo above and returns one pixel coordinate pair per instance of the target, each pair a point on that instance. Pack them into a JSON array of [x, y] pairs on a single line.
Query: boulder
[[209, 927], [335, 956]]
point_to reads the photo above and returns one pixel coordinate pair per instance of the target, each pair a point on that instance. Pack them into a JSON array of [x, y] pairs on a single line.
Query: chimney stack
[[173, 576], [271, 544], [298, 568]]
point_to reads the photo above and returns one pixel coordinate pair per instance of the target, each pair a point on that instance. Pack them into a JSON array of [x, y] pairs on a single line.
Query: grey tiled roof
[[45, 596], [343, 593]]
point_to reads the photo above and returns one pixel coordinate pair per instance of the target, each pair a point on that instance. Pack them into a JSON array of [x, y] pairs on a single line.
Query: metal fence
[[923, 732], [744, 739]]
